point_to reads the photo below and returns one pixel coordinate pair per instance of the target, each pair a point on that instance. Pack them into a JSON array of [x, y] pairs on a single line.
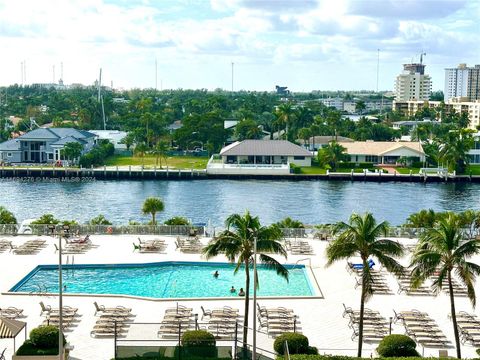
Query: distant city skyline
[[303, 44]]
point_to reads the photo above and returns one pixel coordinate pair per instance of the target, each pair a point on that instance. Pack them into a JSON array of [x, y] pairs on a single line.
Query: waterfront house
[[261, 157], [384, 152], [317, 142], [44, 145]]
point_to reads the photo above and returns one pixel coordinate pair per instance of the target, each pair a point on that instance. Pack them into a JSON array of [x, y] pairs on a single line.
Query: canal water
[[312, 202]]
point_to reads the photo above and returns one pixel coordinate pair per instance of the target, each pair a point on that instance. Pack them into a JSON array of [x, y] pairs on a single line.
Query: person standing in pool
[[233, 290], [216, 274], [241, 292]]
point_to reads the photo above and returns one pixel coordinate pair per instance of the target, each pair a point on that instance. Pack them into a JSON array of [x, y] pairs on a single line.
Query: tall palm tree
[[237, 242], [455, 148], [440, 251], [332, 154], [286, 114], [362, 237], [151, 206]]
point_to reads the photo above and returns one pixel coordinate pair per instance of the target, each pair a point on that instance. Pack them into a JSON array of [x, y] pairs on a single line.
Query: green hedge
[[342, 357], [199, 343], [297, 344], [397, 345], [43, 341], [29, 348]]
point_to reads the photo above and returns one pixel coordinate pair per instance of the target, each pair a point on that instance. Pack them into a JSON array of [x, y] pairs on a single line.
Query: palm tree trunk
[[247, 304], [360, 325], [454, 315], [153, 218]]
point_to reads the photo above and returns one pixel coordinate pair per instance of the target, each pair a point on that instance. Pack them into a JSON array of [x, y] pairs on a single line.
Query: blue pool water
[[164, 280]]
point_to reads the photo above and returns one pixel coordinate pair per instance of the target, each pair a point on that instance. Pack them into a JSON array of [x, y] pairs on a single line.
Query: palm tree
[[332, 154], [151, 206], [140, 150], [286, 114], [160, 151], [456, 146], [440, 251], [361, 237], [237, 242]]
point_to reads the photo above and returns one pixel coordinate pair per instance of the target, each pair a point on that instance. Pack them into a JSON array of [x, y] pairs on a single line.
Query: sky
[[303, 44]]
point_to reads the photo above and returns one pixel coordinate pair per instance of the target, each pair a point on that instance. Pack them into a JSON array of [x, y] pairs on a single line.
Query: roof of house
[[56, 133], [264, 148], [67, 139], [379, 148], [323, 140], [10, 145]]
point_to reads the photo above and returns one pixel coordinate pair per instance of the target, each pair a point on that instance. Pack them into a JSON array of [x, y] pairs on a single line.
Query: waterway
[[312, 202]]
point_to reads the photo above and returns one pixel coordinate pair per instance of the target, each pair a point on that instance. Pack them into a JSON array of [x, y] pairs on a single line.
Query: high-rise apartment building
[[462, 81], [413, 83]]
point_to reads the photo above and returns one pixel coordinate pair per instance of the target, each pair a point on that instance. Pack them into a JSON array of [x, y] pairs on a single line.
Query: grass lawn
[[406, 170], [473, 169], [177, 162], [312, 170]]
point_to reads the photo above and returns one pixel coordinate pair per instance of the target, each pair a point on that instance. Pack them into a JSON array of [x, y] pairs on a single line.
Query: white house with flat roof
[[259, 157], [383, 152]]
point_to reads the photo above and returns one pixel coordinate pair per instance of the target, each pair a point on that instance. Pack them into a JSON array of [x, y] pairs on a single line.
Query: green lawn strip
[[177, 162], [406, 170], [473, 170]]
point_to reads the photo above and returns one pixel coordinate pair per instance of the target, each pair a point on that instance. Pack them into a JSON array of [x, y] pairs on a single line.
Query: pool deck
[[320, 318]]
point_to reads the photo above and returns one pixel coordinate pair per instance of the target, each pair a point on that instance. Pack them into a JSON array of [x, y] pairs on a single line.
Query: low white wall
[[251, 170]]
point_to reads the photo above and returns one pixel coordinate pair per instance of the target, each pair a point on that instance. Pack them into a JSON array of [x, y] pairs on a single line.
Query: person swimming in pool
[[216, 274], [241, 292], [233, 290]]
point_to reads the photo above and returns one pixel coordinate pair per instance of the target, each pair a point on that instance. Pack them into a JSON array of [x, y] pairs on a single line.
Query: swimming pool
[[164, 280]]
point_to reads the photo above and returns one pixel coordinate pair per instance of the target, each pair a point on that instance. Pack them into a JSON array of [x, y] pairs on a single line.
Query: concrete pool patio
[[320, 318]]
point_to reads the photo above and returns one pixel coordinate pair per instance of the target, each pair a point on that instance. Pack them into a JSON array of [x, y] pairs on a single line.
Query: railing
[[36, 229]]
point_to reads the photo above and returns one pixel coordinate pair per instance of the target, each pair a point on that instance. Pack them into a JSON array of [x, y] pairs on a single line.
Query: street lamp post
[[65, 231], [390, 328], [254, 351]]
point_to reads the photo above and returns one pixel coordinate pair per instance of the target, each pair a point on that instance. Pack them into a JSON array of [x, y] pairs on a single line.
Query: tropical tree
[[289, 223], [332, 154], [362, 237], [422, 219], [100, 220], [177, 220], [72, 150], [286, 114], [6, 217], [46, 219], [160, 152], [140, 150], [237, 242], [455, 148], [360, 106], [440, 251], [151, 206]]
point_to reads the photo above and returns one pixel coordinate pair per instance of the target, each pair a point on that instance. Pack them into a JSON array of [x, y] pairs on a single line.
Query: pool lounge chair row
[[4, 245], [422, 328], [223, 322], [375, 326], [70, 316], [111, 320], [30, 247], [277, 320], [299, 247], [11, 312], [176, 321], [405, 286], [150, 246], [458, 289], [189, 245], [469, 328]]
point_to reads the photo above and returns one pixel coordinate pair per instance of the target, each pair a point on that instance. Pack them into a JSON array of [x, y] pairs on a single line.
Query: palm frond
[[272, 264]]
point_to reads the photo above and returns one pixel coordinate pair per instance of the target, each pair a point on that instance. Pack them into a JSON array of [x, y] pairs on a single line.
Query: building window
[[299, 158], [371, 158], [9, 154], [50, 156]]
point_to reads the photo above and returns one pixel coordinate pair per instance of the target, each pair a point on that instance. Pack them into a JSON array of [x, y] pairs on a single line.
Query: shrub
[[98, 154], [199, 343], [297, 344], [397, 346], [28, 348], [478, 352], [44, 337], [177, 220], [46, 219], [100, 220], [6, 217], [346, 165]]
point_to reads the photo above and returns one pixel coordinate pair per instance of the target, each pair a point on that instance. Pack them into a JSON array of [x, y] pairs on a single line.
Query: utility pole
[[53, 74], [378, 66], [156, 74], [232, 76]]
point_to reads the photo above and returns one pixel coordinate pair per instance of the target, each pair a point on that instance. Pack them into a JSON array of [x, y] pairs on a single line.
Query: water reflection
[[201, 200]]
